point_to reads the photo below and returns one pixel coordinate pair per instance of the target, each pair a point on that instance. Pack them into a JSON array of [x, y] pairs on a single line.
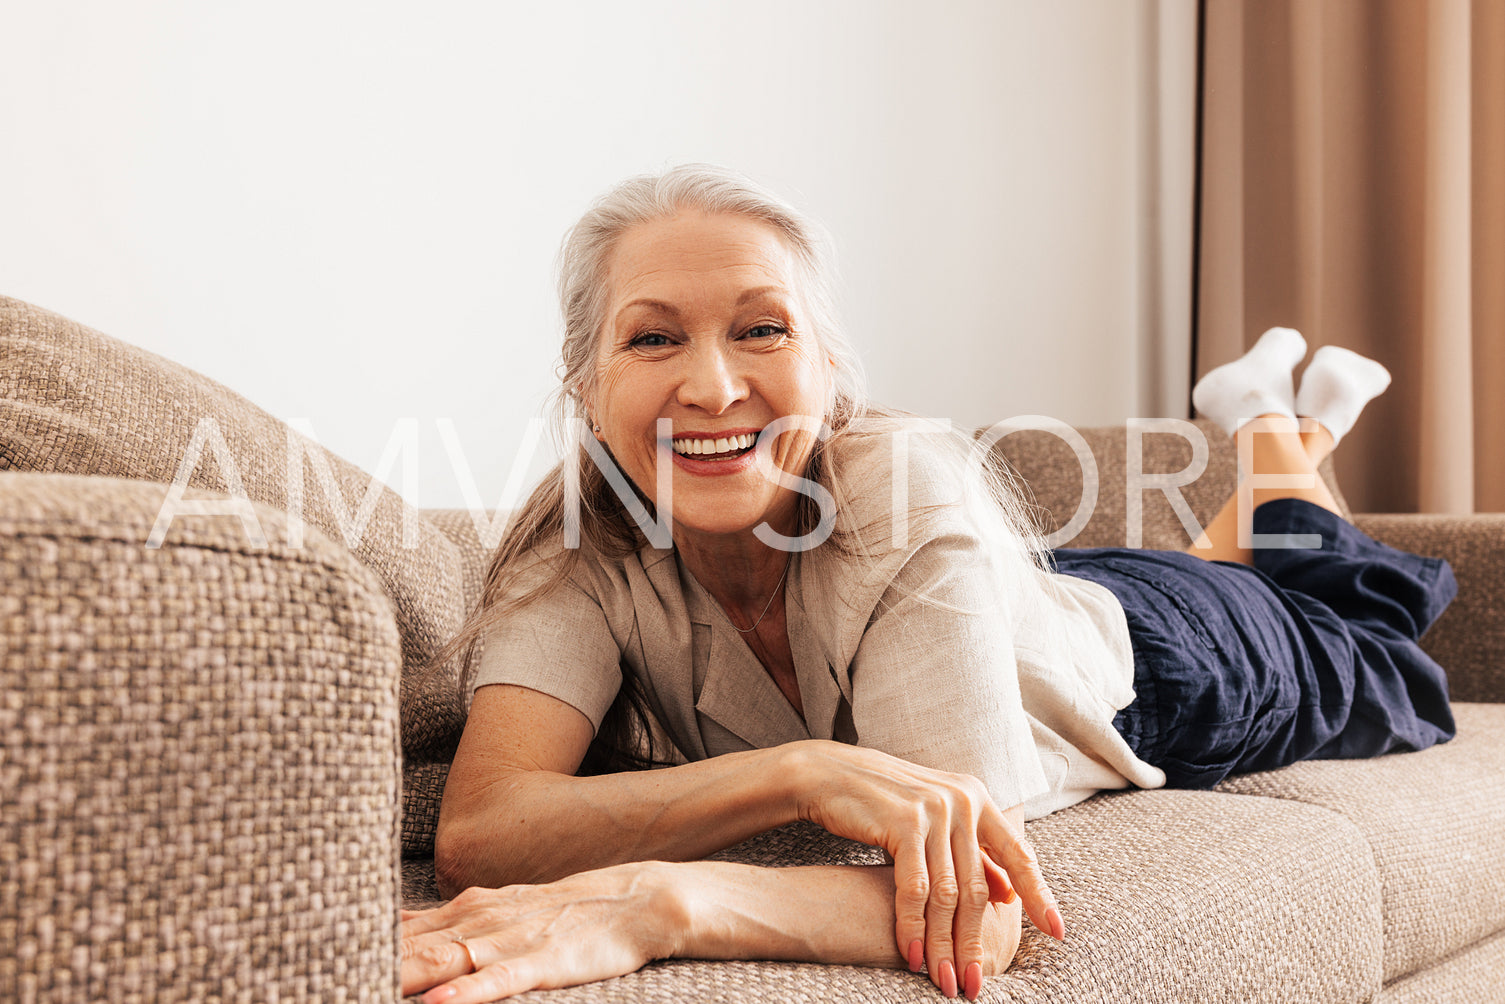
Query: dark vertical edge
[[1196, 197]]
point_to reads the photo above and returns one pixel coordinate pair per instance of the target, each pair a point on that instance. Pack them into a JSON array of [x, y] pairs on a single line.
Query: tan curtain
[[1353, 186]]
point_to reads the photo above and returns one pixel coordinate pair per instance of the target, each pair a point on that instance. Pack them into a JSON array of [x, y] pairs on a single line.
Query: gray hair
[[585, 258], [526, 564]]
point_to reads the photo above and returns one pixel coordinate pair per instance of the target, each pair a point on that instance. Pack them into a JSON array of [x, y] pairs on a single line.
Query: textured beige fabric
[[1156, 888], [1189, 896], [198, 757], [1443, 885], [422, 791], [423, 774], [459, 526], [1476, 974], [1053, 478], [1470, 635], [76, 401]]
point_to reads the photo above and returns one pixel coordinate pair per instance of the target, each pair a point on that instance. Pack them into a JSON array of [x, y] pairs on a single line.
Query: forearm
[[831, 914], [537, 826]]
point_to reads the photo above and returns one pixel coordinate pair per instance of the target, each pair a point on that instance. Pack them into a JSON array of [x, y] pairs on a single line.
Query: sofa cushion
[[1192, 896], [73, 400], [1475, 974], [1054, 482], [1434, 823], [1168, 896]]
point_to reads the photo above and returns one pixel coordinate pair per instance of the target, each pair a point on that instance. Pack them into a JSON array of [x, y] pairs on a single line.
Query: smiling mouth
[[728, 448]]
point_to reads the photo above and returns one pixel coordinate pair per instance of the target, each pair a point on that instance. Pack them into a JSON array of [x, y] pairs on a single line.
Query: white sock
[[1257, 383], [1336, 386]]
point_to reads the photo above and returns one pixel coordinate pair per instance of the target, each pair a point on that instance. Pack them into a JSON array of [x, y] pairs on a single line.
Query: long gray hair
[[526, 565]]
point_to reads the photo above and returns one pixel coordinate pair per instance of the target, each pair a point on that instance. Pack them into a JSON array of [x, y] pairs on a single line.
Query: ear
[[587, 411]]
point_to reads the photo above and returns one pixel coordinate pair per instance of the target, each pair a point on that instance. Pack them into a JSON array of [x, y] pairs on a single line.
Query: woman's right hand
[[954, 851]]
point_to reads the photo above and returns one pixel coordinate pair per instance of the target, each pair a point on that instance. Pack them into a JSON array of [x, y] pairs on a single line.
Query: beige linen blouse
[[911, 649]]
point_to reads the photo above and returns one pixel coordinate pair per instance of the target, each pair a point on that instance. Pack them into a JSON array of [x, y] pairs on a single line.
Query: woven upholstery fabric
[[798, 845], [1477, 974], [1155, 888], [1192, 896], [1435, 824], [420, 889], [422, 791], [1053, 481], [198, 756], [460, 527], [423, 777], [73, 400], [1470, 635]]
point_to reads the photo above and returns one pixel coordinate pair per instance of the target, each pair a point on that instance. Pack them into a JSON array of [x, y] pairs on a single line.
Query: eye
[[766, 331], [650, 340]]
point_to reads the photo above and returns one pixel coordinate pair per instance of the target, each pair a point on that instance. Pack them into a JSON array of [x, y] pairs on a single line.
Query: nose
[[711, 381]]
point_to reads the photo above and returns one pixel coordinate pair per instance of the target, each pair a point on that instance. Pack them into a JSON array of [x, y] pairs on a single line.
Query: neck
[[739, 571]]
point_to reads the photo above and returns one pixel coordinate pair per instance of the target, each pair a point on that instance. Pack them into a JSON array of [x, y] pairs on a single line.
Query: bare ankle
[[1315, 439]]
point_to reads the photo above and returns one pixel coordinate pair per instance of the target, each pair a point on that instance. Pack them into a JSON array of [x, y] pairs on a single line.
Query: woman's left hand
[[590, 926]]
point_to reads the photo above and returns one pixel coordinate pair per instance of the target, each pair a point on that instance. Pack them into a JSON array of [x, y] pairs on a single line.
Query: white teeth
[[696, 447]]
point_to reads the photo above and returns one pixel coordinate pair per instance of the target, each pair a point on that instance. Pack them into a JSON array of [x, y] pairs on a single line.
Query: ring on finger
[[469, 955]]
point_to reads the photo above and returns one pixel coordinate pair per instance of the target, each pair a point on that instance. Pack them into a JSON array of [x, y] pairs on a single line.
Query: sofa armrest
[[199, 755], [1470, 635]]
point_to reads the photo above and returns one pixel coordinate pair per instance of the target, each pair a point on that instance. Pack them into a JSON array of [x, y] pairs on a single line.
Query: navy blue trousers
[[1311, 653]]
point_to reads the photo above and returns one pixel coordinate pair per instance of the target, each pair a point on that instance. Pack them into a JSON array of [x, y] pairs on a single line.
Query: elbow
[[477, 844], [467, 853], [454, 859]]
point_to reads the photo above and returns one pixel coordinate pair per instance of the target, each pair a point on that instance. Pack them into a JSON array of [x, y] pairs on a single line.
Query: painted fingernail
[[1057, 925], [974, 981], [948, 978], [916, 955]]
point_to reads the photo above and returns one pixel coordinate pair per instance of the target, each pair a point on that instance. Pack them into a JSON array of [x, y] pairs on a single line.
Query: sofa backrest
[[74, 400], [1056, 477]]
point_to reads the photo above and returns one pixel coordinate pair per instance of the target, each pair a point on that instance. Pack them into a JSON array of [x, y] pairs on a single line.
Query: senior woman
[[797, 605]]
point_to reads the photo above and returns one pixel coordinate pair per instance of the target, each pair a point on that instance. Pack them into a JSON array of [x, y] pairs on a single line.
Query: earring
[[596, 429]]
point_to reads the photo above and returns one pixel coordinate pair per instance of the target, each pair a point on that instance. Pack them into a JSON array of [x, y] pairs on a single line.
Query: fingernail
[[948, 978], [916, 955], [438, 994], [974, 980], [1057, 925]]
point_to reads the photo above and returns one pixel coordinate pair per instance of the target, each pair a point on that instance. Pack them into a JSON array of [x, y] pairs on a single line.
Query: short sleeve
[[935, 680], [558, 644]]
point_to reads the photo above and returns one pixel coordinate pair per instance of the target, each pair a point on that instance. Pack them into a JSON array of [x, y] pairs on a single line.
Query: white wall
[[348, 211]]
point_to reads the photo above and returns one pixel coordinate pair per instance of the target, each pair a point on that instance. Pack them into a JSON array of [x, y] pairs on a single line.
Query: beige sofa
[[219, 782]]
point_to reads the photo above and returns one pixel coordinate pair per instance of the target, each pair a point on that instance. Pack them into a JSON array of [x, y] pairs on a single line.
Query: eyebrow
[[660, 305], [757, 292], [748, 295]]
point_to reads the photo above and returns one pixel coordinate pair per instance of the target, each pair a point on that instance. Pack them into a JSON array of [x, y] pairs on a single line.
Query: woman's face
[[705, 326]]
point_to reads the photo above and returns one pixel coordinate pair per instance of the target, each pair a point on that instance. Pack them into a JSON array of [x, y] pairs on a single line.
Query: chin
[[717, 523]]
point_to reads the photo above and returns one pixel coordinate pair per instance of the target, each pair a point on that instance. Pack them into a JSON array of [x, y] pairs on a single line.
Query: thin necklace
[[769, 605]]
